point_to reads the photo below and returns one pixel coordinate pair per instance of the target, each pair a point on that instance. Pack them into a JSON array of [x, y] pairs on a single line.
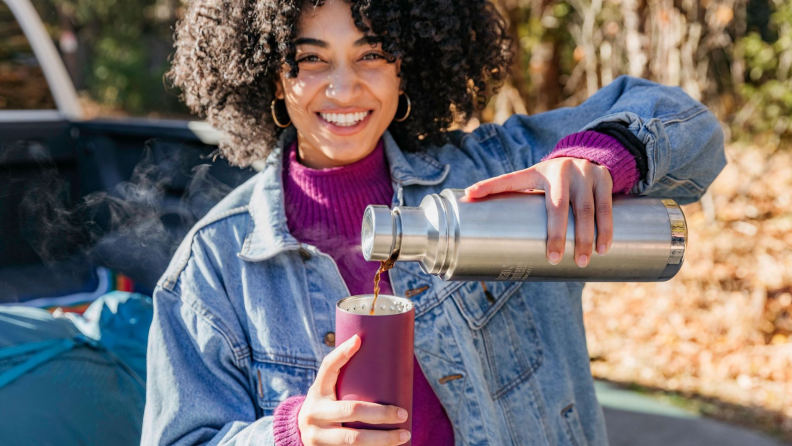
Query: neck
[[309, 155]]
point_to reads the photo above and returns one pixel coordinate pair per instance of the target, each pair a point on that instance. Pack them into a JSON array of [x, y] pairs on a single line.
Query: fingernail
[[554, 258], [601, 249], [582, 260], [402, 414], [404, 435]]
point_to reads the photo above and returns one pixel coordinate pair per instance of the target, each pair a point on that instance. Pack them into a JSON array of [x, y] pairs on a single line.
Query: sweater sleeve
[[603, 150], [682, 138], [284, 422]]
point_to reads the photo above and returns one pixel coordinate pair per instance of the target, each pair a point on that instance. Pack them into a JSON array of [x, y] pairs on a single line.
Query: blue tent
[[59, 385]]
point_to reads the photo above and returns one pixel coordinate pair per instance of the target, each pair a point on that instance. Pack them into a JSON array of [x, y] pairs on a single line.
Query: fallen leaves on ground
[[722, 328]]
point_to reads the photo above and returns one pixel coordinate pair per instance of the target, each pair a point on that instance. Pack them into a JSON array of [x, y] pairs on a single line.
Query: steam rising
[[135, 226]]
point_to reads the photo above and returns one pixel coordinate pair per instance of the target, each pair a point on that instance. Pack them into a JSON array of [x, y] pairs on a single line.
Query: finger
[[557, 204], [603, 199], [583, 208], [371, 413], [361, 437], [327, 375], [510, 182]]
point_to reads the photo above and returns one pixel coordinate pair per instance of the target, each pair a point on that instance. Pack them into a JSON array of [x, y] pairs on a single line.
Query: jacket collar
[[268, 234]]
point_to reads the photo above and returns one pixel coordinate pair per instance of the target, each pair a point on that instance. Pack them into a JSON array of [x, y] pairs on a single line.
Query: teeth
[[344, 119]]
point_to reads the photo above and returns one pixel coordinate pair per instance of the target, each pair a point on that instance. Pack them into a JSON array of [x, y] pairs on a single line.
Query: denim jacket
[[242, 311]]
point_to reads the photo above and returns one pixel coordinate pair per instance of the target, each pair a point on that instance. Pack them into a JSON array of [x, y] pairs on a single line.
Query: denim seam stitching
[[248, 235], [170, 281], [291, 361], [683, 116], [540, 407], [510, 322], [437, 356], [432, 181], [530, 369], [271, 404], [430, 160], [675, 118], [568, 428], [488, 130], [686, 184], [507, 157], [501, 300], [509, 422], [461, 396], [454, 336], [490, 362], [437, 300], [460, 435], [516, 381], [240, 353], [304, 274]]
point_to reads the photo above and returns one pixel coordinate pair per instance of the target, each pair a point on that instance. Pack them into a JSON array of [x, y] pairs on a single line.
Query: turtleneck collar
[[372, 169], [323, 205]]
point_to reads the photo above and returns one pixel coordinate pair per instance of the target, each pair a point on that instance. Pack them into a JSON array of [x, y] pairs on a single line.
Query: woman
[[347, 102]]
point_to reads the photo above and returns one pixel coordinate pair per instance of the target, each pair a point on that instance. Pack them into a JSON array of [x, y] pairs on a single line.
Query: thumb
[[510, 182], [331, 366]]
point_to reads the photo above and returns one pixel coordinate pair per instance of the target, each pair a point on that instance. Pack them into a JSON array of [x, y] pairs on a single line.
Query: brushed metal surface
[[504, 237]]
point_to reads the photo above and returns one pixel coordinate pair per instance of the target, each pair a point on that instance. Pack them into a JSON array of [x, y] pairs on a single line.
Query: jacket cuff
[[603, 150], [284, 422]]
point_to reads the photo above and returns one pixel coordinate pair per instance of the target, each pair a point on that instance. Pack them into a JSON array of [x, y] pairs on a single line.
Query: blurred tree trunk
[[566, 50]]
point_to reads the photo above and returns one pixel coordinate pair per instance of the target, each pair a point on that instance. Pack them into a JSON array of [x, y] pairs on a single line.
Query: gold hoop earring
[[409, 107], [275, 117]]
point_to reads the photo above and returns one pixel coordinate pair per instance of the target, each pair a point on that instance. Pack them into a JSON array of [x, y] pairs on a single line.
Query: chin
[[346, 151]]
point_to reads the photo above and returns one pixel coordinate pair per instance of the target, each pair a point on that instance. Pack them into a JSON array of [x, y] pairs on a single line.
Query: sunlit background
[[717, 339]]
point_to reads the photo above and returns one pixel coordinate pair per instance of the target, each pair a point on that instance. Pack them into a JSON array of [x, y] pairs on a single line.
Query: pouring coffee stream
[[385, 265]]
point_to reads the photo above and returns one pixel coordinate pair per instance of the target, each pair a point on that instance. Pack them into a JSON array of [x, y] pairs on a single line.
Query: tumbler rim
[[389, 296]]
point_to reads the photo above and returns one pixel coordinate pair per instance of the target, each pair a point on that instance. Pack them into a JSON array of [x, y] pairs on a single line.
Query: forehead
[[331, 20]]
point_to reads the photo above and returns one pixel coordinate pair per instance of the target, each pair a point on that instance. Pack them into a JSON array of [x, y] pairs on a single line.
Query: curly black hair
[[229, 54]]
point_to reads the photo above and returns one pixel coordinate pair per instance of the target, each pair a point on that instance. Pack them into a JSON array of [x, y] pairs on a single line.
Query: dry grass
[[721, 331]]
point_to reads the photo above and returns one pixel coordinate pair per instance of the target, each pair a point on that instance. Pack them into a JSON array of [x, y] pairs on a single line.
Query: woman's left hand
[[588, 186]]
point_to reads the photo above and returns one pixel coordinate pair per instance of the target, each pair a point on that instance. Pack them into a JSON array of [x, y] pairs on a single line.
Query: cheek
[[385, 85], [299, 91]]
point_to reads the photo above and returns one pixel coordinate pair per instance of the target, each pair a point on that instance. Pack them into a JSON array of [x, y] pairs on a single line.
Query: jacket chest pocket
[[274, 382], [497, 312]]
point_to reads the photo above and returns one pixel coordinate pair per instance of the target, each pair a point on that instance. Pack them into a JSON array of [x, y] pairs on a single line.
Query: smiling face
[[346, 93]]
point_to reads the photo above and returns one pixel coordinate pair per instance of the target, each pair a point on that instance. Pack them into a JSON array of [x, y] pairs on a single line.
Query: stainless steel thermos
[[504, 237]]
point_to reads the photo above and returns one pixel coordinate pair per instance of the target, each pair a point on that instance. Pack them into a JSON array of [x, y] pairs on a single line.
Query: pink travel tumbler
[[382, 370]]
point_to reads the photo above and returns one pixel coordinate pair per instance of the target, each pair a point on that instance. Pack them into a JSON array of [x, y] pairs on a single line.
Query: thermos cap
[[378, 233]]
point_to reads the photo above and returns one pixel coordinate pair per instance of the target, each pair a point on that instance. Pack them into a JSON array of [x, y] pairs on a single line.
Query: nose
[[344, 85]]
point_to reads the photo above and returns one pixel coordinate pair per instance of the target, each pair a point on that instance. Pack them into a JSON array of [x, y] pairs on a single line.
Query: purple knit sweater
[[603, 150], [324, 208]]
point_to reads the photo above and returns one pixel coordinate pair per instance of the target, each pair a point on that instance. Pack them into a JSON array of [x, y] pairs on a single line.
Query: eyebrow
[[371, 40]]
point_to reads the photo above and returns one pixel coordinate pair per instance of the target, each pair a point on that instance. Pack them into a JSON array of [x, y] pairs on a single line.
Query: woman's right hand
[[321, 414]]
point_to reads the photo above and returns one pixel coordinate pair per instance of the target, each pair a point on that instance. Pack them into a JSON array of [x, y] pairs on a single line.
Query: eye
[[309, 58], [374, 56]]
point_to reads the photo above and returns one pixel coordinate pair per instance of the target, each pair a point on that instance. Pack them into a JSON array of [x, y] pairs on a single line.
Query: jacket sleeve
[[683, 139], [197, 390]]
